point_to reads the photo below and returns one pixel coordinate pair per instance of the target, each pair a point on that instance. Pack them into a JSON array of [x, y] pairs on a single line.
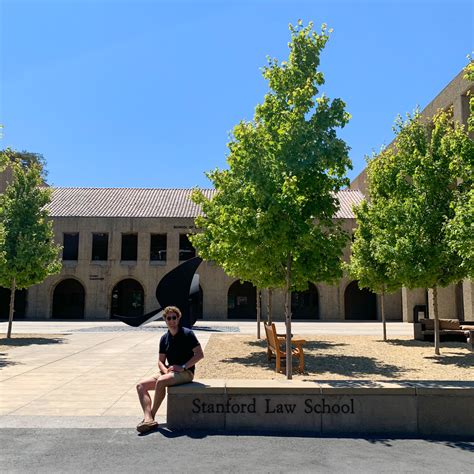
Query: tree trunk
[[259, 311], [384, 323], [269, 307], [289, 361], [12, 308], [436, 319]]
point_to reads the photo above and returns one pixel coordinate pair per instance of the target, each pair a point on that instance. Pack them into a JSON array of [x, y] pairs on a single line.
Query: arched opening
[[20, 303], [68, 300], [359, 304], [195, 305], [305, 304], [127, 298], [242, 301]]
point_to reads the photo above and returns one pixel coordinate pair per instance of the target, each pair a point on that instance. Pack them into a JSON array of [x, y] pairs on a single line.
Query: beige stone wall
[[99, 278], [454, 95]]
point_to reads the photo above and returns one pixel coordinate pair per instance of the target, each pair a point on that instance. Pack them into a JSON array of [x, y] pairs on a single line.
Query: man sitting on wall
[[181, 350]]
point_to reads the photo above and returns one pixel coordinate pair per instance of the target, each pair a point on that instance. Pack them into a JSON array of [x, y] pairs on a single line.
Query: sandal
[[146, 426]]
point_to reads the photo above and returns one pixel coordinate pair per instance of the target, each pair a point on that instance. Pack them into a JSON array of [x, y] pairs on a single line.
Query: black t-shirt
[[179, 348]]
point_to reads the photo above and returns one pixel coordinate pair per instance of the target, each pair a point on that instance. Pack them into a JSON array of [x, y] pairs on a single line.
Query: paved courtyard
[[86, 376], [69, 405]]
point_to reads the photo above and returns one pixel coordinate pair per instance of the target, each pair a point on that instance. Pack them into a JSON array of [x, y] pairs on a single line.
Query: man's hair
[[171, 309]]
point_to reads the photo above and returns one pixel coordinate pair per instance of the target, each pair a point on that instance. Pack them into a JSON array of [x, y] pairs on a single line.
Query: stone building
[[454, 301], [119, 243]]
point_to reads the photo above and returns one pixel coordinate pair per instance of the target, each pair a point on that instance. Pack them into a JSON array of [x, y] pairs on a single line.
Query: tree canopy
[[271, 220], [28, 251], [419, 180]]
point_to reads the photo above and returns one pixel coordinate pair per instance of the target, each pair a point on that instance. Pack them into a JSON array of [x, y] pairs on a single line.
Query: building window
[[158, 247], [129, 246], [100, 245], [70, 246], [186, 249]]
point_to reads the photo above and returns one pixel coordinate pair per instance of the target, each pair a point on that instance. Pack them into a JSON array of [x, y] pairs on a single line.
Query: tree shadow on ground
[[5, 362], [462, 445], [20, 341], [350, 366], [308, 345], [344, 365], [458, 360], [415, 343]]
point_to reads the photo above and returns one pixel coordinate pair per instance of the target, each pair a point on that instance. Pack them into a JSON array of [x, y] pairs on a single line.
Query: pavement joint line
[[62, 358], [123, 394], [65, 383]]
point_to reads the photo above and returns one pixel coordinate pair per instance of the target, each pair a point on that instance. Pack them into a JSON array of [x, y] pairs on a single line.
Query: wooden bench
[[276, 348]]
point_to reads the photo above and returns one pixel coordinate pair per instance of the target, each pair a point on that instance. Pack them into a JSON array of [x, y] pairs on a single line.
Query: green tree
[[271, 220], [25, 159], [367, 263], [27, 248], [418, 181], [461, 227]]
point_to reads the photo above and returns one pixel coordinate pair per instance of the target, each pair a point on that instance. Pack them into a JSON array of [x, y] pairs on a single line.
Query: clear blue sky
[[144, 93]]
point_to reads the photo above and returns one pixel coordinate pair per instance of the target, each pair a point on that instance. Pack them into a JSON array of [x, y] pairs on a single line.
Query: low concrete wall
[[335, 408]]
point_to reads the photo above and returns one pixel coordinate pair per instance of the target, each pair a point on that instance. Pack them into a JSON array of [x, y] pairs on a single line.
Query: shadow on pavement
[[21, 341], [452, 442], [4, 362]]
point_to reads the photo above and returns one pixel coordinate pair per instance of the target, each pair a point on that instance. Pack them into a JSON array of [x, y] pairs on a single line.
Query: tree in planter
[[279, 195], [367, 264], [230, 236], [28, 252], [461, 227], [418, 182]]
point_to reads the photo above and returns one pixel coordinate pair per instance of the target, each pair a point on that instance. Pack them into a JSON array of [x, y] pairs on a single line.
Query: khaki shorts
[[179, 378]]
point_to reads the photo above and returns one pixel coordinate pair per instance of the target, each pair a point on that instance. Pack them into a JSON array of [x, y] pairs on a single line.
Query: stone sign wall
[[339, 408]]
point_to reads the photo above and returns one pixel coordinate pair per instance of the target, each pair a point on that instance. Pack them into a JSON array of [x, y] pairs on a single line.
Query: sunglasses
[[171, 318]]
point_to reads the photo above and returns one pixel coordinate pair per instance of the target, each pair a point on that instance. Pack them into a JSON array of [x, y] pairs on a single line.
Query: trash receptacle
[[419, 311]]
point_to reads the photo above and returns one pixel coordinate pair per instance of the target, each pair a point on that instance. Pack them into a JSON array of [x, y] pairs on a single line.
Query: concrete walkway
[[87, 377]]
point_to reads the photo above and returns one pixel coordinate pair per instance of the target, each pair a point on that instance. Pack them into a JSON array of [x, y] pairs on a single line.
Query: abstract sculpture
[[174, 289]]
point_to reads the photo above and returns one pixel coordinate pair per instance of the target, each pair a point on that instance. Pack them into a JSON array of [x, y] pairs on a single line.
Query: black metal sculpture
[[174, 289]]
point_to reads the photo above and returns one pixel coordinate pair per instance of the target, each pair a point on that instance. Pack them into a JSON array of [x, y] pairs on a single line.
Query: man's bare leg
[[143, 387], [160, 391]]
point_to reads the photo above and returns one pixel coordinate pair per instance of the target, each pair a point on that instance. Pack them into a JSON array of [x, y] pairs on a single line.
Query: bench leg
[[301, 366], [277, 364]]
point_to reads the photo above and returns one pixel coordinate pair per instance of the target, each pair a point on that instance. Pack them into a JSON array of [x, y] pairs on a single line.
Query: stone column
[[468, 300], [410, 298]]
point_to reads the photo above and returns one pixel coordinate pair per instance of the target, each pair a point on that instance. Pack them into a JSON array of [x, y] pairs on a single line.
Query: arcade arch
[[20, 303], [128, 298], [68, 300], [242, 301], [359, 305], [305, 304]]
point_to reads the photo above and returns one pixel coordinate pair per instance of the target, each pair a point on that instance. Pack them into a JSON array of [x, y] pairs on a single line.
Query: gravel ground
[[340, 357]]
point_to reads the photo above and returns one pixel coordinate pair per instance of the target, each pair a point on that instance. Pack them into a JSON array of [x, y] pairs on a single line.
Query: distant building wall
[[454, 96]]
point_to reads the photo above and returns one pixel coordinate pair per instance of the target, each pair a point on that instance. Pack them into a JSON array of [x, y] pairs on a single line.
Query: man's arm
[[198, 355], [161, 363]]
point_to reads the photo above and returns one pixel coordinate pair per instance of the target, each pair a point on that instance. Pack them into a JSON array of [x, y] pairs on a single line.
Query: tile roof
[[143, 202]]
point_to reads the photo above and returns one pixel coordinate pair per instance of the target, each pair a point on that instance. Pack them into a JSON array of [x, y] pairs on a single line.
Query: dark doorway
[[68, 300], [304, 304], [359, 304], [242, 301], [20, 303], [195, 305], [127, 298]]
